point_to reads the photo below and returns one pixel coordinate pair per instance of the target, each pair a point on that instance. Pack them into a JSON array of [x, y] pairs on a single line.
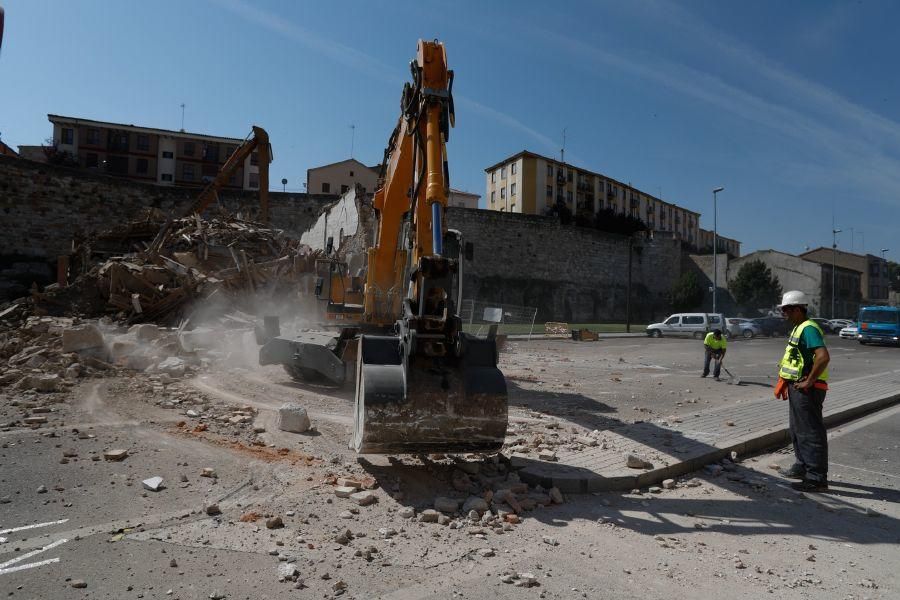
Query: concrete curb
[[577, 480]]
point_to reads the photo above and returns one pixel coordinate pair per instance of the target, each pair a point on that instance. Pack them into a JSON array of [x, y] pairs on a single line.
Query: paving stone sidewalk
[[677, 448]]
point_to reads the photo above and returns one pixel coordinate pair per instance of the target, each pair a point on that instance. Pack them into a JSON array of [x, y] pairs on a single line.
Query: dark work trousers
[[808, 432], [710, 354]]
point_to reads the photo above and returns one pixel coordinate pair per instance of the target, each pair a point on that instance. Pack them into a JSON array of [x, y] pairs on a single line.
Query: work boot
[[795, 472], [808, 485]]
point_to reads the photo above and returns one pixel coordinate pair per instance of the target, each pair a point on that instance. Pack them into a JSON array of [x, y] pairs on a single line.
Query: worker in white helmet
[[803, 381]]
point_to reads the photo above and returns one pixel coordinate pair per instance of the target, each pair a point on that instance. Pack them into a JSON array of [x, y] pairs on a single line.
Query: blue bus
[[879, 325]]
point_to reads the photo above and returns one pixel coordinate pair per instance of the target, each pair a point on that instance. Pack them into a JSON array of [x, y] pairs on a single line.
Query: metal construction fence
[[478, 316]]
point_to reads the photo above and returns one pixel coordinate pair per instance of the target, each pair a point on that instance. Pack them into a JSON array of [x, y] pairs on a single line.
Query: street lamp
[[834, 233], [284, 184], [715, 247]]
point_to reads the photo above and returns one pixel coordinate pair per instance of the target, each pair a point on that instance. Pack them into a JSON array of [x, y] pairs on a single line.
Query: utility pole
[[628, 289], [352, 138], [715, 247], [562, 151], [182, 117], [834, 233]]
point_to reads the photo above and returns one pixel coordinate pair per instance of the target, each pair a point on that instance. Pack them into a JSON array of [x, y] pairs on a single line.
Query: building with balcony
[[726, 245], [875, 283], [529, 183], [160, 156]]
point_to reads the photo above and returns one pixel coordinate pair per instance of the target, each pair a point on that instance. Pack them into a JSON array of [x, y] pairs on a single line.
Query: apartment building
[[339, 177], [529, 183], [160, 156], [725, 244], [874, 284]]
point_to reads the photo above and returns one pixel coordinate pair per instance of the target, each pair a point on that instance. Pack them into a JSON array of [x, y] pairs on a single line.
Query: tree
[[755, 286], [686, 293], [894, 275]]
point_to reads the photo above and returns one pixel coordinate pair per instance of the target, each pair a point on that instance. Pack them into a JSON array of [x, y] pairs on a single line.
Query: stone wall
[[568, 273], [43, 206]]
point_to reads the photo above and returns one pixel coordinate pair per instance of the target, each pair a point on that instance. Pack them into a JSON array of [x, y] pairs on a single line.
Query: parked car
[[773, 326], [838, 324], [825, 324], [851, 332], [740, 327], [695, 325]]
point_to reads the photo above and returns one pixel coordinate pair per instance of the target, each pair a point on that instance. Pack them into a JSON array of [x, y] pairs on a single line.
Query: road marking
[[864, 470], [29, 566], [35, 526], [6, 568]]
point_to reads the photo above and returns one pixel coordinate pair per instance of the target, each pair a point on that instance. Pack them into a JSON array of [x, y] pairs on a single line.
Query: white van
[[695, 325]]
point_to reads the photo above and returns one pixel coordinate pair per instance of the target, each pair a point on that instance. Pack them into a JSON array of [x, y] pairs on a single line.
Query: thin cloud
[[361, 61], [852, 159]]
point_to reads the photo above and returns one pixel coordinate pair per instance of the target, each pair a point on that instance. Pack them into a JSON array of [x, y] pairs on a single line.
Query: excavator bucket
[[456, 405]]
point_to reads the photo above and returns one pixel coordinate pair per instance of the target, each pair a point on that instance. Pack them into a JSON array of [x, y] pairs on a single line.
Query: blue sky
[[794, 107]]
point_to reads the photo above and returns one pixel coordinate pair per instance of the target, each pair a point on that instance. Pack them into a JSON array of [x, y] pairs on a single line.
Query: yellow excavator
[[422, 384]]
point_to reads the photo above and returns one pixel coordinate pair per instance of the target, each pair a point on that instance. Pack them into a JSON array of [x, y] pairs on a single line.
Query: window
[[549, 170], [512, 207], [326, 188], [68, 136], [512, 168], [91, 160], [117, 165], [187, 172], [254, 158], [512, 189], [211, 153], [492, 197], [254, 180], [502, 192], [189, 148], [569, 176], [351, 173], [693, 320], [502, 172], [168, 154], [569, 197], [142, 166], [143, 142], [166, 177], [344, 189], [549, 191], [493, 176], [93, 137], [672, 320]]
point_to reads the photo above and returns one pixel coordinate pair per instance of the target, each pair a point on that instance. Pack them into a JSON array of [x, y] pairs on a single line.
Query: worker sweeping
[[714, 344], [803, 382]]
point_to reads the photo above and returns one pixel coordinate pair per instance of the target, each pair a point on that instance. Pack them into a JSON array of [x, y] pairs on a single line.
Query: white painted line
[[29, 566], [864, 470], [35, 526], [30, 554]]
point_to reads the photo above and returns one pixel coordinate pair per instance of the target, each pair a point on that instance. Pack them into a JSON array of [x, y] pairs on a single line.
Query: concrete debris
[[363, 498], [293, 418], [446, 505], [632, 461], [668, 484], [83, 338], [115, 455], [274, 523], [154, 484]]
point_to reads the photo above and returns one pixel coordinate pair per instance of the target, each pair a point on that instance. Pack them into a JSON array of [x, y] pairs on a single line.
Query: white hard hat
[[793, 298]]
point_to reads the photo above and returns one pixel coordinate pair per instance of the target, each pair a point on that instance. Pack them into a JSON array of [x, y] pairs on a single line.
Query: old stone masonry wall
[[568, 273], [42, 207]]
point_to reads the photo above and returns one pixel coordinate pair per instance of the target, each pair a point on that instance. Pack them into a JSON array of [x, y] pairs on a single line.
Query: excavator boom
[[430, 387]]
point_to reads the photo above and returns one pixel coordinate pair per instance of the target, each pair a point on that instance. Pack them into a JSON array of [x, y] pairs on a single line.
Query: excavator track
[[457, 406]]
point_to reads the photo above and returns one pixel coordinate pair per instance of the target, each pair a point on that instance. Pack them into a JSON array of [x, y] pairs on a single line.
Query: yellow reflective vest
[[712, 342], [791, 367]]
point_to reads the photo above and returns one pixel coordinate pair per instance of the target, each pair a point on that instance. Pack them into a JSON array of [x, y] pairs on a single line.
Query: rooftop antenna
[[352, 137], [562, 151], [182, 117]]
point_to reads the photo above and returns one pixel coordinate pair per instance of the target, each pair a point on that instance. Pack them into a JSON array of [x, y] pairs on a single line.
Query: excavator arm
[[428, 387], [259, 141]]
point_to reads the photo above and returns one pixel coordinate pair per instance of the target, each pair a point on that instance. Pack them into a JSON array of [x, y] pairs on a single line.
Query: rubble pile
[[154, 270]]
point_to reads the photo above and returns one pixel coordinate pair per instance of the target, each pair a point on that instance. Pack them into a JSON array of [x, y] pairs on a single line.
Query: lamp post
[[715, 247], [834, 233], [284, 184]]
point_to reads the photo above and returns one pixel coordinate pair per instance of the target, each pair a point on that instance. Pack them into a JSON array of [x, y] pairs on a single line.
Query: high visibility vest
[[791, 367], [711, 341]]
